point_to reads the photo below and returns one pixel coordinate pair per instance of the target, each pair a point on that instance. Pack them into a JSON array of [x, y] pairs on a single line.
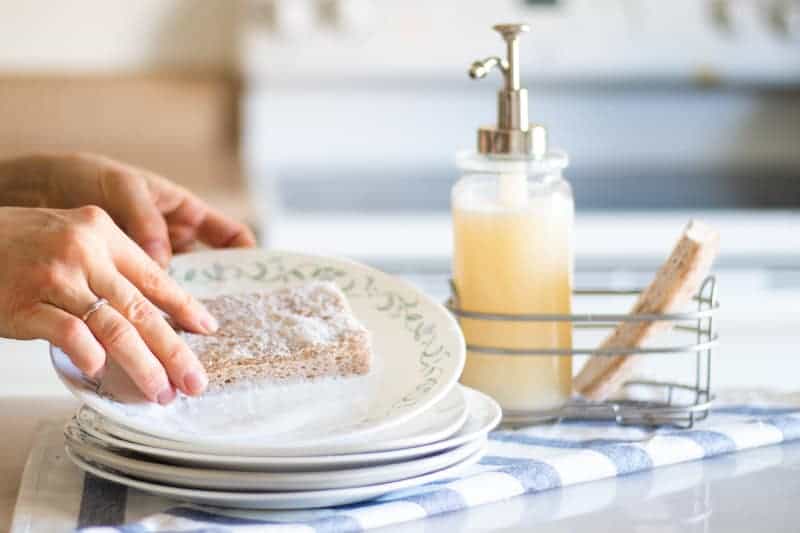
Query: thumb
[[135, 211]]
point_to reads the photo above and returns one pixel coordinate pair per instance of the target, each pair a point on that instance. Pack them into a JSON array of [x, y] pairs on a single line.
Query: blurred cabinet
[[182, 126]]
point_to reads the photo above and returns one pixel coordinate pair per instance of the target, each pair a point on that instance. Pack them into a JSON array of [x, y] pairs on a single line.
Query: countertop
[[743, 492], [749, 491]]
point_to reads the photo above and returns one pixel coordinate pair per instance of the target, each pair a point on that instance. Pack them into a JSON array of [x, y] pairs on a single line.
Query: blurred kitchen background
[[332, 126]]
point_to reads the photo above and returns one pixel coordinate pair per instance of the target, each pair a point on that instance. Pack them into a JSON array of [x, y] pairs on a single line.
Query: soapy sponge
[[675, 284], [292, 333]]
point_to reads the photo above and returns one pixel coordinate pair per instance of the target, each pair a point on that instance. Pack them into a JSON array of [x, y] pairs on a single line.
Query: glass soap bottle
[[513, 216]]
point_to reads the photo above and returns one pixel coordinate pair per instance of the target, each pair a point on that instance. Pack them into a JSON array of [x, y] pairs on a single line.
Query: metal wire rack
[[642, 402]]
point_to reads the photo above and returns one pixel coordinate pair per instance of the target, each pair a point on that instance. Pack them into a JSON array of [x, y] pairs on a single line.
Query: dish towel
[[56, 496]]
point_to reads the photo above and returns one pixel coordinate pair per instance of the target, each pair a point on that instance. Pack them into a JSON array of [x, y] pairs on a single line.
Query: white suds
[[258, 327]]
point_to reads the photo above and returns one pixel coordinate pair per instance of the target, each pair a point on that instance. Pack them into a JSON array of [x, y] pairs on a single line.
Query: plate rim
[[459, 352], [345, 477], [283, 497], [473, 398], [127, 434]]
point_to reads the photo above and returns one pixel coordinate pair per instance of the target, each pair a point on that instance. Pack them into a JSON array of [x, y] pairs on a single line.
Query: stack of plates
[[302, 445], [435, 445]]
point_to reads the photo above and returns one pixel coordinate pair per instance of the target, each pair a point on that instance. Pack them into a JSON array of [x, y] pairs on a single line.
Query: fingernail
[[194, 382], [208, 322], [166, 396]]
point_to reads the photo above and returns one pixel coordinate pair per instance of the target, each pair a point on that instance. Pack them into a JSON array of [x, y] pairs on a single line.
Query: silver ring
[[94, 307]]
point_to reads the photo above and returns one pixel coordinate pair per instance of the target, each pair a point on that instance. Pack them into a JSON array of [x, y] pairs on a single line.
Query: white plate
[[419, 354], [201, 478], [436, 423], [308, 499], [484, 415]]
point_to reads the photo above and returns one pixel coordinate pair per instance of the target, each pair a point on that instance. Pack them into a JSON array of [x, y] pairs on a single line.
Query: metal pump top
[[513, 135]]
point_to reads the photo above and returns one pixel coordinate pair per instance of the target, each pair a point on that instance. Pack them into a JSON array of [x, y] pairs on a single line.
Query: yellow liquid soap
[[515, 257]]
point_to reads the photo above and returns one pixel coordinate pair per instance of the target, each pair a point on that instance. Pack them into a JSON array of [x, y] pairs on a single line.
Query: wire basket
[[642, 402]]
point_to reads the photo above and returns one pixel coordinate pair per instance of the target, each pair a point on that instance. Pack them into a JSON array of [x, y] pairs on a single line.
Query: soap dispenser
[[513, 216]]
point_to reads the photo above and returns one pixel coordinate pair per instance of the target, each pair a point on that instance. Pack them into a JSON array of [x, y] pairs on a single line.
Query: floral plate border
[[279, 268]]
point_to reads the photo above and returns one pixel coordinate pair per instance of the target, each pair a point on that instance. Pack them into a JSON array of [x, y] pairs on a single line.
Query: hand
[[57, 263], [158, 215]]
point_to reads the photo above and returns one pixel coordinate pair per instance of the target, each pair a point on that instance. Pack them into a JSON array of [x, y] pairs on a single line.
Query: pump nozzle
[[479, 69], [513, 133]]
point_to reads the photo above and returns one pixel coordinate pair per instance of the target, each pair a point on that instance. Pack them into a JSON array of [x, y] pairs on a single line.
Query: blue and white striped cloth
[[530, 460]]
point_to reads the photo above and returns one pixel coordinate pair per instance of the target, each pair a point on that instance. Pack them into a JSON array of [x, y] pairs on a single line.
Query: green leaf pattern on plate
[[398, 306]]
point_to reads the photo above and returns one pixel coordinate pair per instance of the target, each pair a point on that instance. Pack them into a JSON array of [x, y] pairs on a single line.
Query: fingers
[[123, 343], [182, 366], [132, 206], [69, 333], [116, 276], [118, 338], [219, 231], [156, 285], [88, 255], [183, 238], [191, 219]]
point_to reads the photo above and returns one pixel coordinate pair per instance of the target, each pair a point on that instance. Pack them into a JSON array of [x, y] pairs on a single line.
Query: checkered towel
[[55, 495]]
